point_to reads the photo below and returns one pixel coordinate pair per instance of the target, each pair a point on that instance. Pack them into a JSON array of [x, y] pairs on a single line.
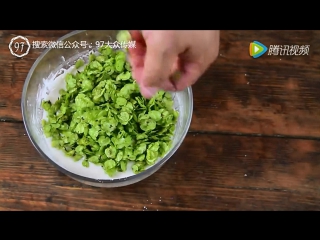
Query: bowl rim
[[146, 173]]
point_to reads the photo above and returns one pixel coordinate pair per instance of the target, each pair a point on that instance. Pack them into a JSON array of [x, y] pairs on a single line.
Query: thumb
[[190, 75], [157, 69]]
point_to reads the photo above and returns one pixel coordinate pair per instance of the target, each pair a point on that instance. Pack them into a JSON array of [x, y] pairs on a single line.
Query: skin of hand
[[158, 54]]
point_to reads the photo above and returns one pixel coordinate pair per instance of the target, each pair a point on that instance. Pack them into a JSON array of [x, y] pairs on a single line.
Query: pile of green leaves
[[101, 117]]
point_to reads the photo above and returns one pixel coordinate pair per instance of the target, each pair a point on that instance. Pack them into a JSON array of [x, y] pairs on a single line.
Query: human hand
[[160, 54]]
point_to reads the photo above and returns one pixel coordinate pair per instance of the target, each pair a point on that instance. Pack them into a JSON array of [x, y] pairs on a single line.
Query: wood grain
[[13, 70], [272, 95], [232, 157], [208, 172]]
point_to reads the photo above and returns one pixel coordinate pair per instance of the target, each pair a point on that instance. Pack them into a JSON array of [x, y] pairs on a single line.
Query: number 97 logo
[[19, 46]]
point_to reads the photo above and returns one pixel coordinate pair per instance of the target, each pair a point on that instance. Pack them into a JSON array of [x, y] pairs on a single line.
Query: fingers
[[189, 75], [158, 54], [192, 64], [136, 35], [157, 69], [137, 54]]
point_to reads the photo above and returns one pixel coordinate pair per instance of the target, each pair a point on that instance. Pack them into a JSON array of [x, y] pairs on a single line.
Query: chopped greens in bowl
[[101, 118], [85, 115]]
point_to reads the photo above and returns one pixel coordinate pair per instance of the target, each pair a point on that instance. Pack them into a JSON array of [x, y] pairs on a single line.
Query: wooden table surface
[[253, 143]]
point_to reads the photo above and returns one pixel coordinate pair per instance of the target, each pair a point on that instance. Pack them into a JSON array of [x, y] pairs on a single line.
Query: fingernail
[[149, 92]]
